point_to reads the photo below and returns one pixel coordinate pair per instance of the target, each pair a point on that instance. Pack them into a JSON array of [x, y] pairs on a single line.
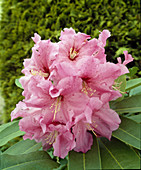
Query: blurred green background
[[20, 19]]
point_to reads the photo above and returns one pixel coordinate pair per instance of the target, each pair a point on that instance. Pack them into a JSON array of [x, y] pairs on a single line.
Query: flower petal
[[84, 139], [105, 121], [128, 58], [103, 37], [63, 144]]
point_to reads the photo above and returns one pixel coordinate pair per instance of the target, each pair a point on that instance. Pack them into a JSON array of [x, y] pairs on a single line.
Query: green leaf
[[10, 132], [18, 83], [90, 160], [76, 160], [23, 147], [136, 118], [128, 132], [92, 157], [135, 91], [117, 155], [129, 104], [34, 160], [3, 126], [133, 83]]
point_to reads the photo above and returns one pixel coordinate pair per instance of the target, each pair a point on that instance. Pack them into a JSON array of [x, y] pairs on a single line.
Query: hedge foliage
[[22, 18]]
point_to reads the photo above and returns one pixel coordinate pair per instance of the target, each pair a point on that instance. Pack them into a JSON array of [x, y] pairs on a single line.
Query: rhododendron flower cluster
[[67, 89]]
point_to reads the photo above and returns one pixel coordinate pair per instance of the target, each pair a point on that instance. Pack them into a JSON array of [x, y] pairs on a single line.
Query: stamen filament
[[51, 137], [57, 106], [90, 128]]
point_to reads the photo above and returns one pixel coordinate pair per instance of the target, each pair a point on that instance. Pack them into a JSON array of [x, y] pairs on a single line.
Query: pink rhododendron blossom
[[67, 89]]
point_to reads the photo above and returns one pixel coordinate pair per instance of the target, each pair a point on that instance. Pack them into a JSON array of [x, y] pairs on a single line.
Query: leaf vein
[[129, 134], [124, 109], [98, 153], [84, 162], [30, 148], [112, 155], [23, 163]]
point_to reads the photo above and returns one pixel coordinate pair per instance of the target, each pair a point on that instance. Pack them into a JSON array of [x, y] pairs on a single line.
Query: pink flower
[[44, 53], [98, 78], [67, 89], [74, 46], [104, 121], [61, 139], [53, 134]]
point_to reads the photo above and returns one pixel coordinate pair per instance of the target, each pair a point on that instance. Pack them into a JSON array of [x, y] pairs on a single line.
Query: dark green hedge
[[21, 18]]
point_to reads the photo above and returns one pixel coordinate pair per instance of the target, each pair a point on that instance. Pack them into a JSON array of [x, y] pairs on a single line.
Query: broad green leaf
[[89, 160], [135, 91], [133, 83], [117, 155], [76, 160], [10, 132], [3, 126], [128, 132], [136, 118], [92, 157], [23, 147], [34, 160], [129, 104], [18, 83], [0, 159]]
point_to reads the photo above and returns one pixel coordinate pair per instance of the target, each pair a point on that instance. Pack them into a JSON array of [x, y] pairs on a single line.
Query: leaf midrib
[[84, 161], [112, 155], [98, 153], [127, 108], [24, 163], [30, 148], [129, 134]]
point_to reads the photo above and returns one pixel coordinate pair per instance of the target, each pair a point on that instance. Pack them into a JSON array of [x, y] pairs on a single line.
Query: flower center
[[87, 90], [73, 54], [51, 137], [40, 73]]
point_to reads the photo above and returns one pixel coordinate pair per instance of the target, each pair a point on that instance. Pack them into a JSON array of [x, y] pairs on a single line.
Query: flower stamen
[[56, 106], [87, 90], [51, 137], [90, 128], [40, 73], [73, 54]]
